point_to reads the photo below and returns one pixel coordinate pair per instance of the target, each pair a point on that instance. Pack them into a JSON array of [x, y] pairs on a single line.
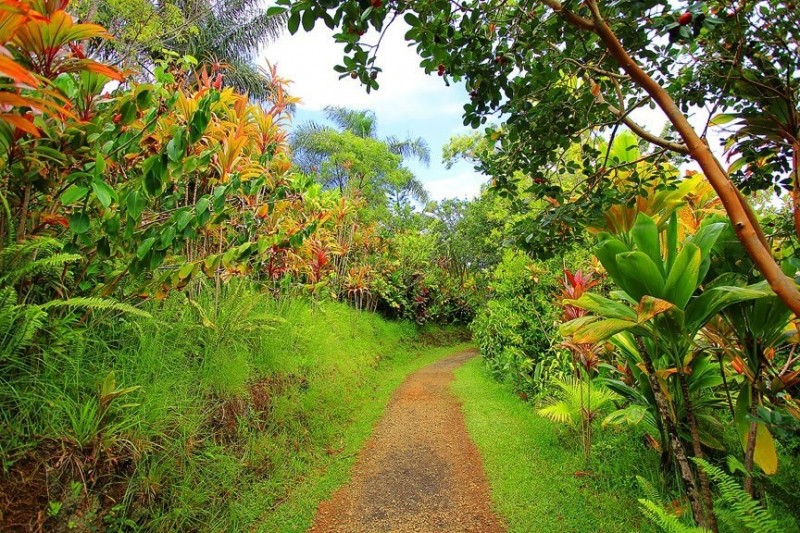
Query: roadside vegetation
[[536, 470], [205, 307]]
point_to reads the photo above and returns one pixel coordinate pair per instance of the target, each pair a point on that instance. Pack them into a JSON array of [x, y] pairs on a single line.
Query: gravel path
[[420, 472]]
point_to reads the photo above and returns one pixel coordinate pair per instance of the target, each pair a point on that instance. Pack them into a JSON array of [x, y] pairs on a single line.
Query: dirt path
[[419, 472]]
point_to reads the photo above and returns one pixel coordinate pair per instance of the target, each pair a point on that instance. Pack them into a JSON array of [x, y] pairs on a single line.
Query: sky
[[409, 103]]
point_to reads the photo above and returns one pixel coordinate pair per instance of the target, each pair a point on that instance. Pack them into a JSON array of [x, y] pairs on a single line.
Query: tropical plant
[[736, 508], [755, 337], [579, 403], [659, 278], [352, 157], [223, 36]]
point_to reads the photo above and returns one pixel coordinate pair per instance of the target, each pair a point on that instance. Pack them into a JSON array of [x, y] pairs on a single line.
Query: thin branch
[[571, 17]]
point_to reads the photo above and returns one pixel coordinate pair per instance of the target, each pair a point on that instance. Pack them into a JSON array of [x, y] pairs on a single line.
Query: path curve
[[420, 471]]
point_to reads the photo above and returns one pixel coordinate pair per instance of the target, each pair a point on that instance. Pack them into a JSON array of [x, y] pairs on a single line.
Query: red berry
[[117, 118], [376, 3], [442, 69], [685, 19]]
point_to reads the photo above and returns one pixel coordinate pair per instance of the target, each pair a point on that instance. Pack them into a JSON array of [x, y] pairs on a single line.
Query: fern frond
[[650, 492], [51, 264], [96, 304], [18, 324], [667, 522], [746, 511]]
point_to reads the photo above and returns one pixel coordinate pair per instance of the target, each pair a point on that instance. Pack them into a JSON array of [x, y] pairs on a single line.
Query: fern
[[666, 521], [103, 304], [650, 492], [18, 324], [52, 264], [745, 512]]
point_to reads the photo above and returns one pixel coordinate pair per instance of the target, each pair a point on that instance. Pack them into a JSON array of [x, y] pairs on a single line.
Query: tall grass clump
[[201, 414]]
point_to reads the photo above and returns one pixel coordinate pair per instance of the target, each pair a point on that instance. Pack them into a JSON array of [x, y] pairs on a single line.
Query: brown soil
[[420, 472]]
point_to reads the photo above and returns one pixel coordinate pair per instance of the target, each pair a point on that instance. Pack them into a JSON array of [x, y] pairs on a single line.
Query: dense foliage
[[174, 264]]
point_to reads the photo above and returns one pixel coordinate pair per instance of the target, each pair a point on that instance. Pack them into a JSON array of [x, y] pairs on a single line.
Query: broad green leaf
[[166, 238], [607, 252], [631, 415], [568, 328], [294, 23], [672, 240], [712, 301], [79, 223], [143, 248], [645, 235], [640, 274], [202, 205], [308, 20], [73, 194], [275, 10], [601, 330], [105, 194], [186, 270], [99, 165], [682, 277], [183, 219], [723, 118], [175, 147], [707, 236], [601, 306], [135, 202]]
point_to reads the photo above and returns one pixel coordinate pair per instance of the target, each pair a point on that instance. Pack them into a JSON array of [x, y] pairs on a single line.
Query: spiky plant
[[577, 400]]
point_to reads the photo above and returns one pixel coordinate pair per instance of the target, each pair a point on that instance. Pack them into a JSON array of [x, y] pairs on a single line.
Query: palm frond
[[410, 148], [576, 399], [361, 122]]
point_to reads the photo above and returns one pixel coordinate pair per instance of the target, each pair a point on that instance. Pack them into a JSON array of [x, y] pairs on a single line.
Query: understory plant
[[663, 307]]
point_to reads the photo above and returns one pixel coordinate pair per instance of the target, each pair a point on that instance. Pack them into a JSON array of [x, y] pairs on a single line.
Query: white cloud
[[465, 185], [406, 92]]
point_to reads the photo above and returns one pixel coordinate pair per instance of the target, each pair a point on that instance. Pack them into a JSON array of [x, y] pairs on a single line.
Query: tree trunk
[[697, 449], [750, 449], [796, 186], [22, 224], [678, 450]]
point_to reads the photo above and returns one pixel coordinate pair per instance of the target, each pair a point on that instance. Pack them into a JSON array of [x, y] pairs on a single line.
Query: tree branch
[[746, 227], [572, 18]]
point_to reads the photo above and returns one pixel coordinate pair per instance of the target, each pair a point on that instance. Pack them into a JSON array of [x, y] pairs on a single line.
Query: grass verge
[[229, 411], [297, 511], [538, 482]]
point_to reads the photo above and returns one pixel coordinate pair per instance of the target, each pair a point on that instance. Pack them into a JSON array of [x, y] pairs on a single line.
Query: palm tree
[[364, 123], [225, 34], [312, 144], [579, 402]]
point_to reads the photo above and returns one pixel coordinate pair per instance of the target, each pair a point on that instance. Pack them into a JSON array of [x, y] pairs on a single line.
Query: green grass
[[247, 412], [532, 468], [297, 512]]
